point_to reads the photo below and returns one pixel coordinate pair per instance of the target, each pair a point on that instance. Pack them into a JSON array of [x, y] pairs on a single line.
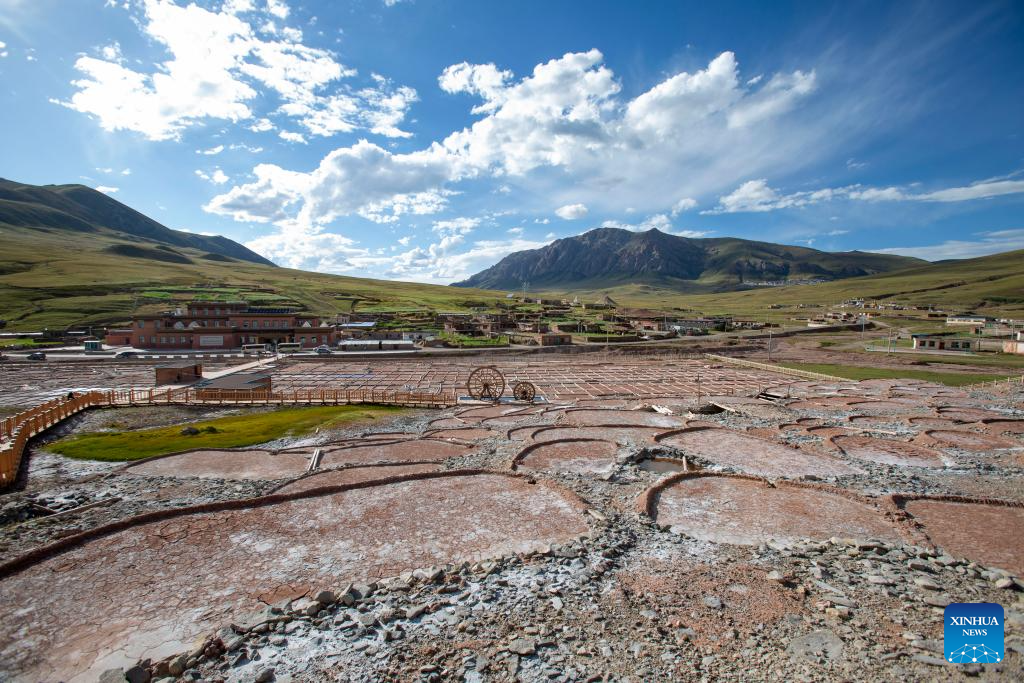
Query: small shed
[[180, 373], [241, 381]]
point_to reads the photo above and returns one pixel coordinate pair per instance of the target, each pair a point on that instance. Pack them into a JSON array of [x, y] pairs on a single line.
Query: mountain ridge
[[79, 208], [605, 256]]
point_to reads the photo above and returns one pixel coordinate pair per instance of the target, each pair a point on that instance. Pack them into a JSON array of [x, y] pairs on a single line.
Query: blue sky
[[423, 141]]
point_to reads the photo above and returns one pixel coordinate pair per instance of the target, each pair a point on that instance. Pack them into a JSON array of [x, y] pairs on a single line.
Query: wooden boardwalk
[[18, 429]]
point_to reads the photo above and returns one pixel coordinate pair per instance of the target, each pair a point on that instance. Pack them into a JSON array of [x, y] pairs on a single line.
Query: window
[[140, 324], [153, 339], [184, 340], [245, 324]]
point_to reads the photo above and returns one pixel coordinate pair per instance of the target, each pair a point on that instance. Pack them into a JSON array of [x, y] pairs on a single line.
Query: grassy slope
[[854, 372], [232, 432], [990, 284], [56, 278]]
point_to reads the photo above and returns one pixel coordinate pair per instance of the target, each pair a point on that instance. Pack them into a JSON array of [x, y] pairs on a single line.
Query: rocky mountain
[[77, 208], [607, 257]]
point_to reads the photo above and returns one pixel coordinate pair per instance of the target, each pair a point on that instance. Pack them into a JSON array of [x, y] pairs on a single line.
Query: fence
[[775, 368], [995, 383], [16, 430]]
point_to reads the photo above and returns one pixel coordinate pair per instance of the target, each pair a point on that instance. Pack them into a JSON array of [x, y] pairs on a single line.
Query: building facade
[[228, 325]]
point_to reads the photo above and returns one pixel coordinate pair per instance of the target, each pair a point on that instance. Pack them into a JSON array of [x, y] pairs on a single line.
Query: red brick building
[[205, 325]]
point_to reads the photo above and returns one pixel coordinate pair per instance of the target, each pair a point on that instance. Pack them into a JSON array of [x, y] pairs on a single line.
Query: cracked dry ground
[[610, 568]]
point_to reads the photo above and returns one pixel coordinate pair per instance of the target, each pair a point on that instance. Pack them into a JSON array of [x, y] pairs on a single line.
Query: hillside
[[992, 285], [607, 257], [81, 209], [73, 256]]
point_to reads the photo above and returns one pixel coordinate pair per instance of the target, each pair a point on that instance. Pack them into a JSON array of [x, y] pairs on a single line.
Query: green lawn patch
[[853, 372], [233, 431]]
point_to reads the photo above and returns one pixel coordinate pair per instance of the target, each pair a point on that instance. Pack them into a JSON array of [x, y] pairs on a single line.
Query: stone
[[325, 597], [112, 676], [816, 644], [927, 584], [523, 646], [776, 576], [189, 431], [936, 601], [137, 674], [265, 676], [879, 580], [415, 611], [712, 602], [1005, 582], [177, 666]]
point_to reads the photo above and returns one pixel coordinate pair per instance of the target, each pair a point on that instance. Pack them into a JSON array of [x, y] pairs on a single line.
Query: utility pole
[[769, 345]]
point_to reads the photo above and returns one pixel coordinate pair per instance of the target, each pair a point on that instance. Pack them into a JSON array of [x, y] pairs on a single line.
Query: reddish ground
[[754, 455], [888, 452], [990, 534], [748, 512], [402, 451], [150, 590], [354, 475], [213, 464], [581, 457]]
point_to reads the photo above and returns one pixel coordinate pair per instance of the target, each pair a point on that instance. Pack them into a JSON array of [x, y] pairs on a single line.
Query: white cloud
[[106, 189], [542, 221], [518, 232], [112, 52], [758, 196], [684, 204], [278, 8], [659, 221], [126, 171], [218, 177], [290, 136], [262, 126], [571, 212], [836, 233], [211, 151], [566, 115], [217, 64], [404, 241], [363, 178], [992, 242]]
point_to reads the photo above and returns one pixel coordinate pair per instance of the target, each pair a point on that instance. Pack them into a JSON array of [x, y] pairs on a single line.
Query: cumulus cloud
[[758, 196], [218, 177], [212, 151], [566, 115], [571, 212], [106, 189], [684, 204], [218, 62]]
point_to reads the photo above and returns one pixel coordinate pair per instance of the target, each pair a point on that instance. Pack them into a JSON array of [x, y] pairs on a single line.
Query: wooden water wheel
[[486, 383], [524, 391]]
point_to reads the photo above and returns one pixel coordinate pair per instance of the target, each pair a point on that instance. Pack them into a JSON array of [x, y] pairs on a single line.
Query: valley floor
[[754, 526]]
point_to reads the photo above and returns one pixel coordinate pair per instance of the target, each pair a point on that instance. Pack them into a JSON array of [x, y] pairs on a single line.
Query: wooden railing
[[16, 430]]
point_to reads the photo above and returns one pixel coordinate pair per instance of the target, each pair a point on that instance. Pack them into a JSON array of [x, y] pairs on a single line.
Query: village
[[205, 326]]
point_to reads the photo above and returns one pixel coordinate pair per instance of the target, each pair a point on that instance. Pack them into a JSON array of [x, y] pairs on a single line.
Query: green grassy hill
[[57, 278], [991, 285]]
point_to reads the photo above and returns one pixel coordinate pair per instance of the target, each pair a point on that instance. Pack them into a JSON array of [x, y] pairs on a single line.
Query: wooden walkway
[[18, 429]]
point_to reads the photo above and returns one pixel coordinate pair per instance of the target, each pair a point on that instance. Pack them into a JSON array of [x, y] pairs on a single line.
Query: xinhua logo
[[973, 632]]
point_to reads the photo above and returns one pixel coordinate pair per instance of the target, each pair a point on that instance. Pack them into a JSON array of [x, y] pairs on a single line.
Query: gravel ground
[[634, 601]]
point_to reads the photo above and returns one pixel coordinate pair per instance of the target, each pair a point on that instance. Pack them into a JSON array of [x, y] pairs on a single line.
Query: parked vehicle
[[36, 355], [126, 354], [324, 350]]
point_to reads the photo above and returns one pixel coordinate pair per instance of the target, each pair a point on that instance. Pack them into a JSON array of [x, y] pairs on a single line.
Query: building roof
[[239, 380]]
